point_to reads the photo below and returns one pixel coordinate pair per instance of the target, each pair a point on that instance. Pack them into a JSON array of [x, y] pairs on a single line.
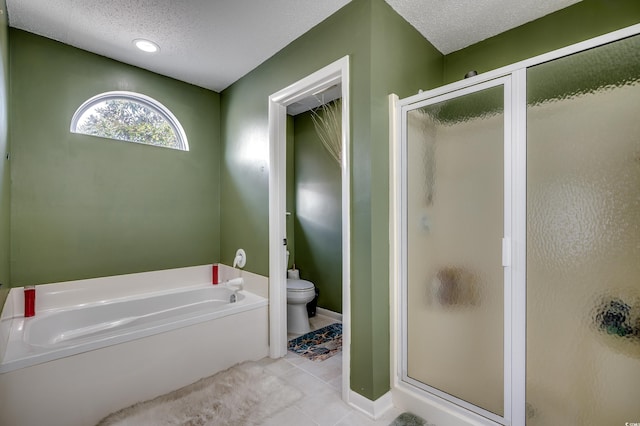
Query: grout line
[[313, 375], [345, 416]]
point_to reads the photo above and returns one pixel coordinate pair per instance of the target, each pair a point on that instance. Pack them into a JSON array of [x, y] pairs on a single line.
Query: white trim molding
[[374, 409], [334, 73], [329, 314]]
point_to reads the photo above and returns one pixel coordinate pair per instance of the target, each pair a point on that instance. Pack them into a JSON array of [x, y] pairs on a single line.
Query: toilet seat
[[300, 291], [294, 285]]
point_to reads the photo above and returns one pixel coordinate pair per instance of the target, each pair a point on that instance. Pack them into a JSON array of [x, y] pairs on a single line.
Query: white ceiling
[[213, 43], [451, 25]]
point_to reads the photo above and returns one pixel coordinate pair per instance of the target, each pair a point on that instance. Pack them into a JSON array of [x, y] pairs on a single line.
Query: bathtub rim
[[44, 314], [15, 357]]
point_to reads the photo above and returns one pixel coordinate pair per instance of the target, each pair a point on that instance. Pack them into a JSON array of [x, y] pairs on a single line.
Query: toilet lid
[[299, 285]]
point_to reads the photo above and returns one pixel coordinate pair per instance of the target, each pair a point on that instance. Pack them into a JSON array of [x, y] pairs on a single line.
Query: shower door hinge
[[506, 251]]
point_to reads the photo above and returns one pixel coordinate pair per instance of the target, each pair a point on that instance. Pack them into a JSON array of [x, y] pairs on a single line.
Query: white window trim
[[147, 101]]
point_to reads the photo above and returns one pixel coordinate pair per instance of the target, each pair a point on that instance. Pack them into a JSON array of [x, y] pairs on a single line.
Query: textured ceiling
[[207, 43], [451, 25], [212, 43]]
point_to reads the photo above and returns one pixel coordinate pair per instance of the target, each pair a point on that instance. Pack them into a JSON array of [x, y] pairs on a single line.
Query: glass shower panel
[[583, 238], [454, 226]]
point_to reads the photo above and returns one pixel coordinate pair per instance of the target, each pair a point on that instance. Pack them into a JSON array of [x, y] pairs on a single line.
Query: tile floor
[[320, 384]]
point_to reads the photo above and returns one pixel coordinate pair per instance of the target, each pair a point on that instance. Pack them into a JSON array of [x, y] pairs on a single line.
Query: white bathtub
[[109, 320], [67, 331], [95, 346]]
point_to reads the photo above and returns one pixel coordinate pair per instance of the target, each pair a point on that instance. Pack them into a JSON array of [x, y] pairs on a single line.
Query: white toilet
[[299, 293]]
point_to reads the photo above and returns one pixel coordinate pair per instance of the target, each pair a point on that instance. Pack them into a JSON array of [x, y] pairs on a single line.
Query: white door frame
[[334, 73]]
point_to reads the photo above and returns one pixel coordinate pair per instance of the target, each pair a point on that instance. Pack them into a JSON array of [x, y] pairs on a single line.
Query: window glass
[[130, 117]]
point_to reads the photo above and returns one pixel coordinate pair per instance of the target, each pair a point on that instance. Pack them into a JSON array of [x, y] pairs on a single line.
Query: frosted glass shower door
[[454, 222], [583, 244]]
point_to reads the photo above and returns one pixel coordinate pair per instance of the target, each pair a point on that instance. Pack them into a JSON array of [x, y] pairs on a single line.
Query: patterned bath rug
[[245, 394], [409, 419], [320, 344]]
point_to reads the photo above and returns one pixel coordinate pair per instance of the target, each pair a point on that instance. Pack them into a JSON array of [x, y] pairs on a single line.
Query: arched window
[[129, 116]]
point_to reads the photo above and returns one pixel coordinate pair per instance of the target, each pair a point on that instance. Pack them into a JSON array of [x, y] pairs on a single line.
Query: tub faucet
[[235, 284]]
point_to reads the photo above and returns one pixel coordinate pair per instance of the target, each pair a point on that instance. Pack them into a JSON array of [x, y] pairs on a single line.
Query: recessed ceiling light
[[146, 45]]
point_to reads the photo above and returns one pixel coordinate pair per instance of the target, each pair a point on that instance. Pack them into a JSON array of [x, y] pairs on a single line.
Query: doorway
[[335, 74]]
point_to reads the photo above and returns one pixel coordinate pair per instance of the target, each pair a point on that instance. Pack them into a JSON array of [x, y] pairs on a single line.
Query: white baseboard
[[374, 409], [328, 313]]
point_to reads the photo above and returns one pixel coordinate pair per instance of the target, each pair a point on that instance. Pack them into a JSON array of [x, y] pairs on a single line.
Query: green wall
[[373, 36], [581, 21], [5, 178], [84, 206], [403, 62], [318, 214]]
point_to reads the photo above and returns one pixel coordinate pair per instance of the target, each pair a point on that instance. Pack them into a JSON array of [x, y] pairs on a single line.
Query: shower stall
[[517, 242]]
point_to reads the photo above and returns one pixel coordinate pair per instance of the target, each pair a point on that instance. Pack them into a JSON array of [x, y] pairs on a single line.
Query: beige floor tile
[[279, 367], [320, 321], [389, 416], [336, 383], [305, 382], [326, 370], [291, 416], [294, 358], [325, 408], [355, 418]]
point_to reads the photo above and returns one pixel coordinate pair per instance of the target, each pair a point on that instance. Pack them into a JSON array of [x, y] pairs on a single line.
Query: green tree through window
[[129, 117]]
